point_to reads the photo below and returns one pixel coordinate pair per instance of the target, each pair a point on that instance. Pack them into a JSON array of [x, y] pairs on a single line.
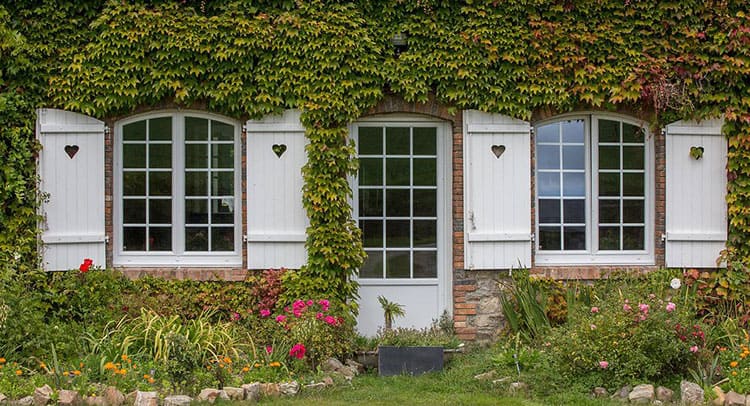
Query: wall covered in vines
[[334, 60]]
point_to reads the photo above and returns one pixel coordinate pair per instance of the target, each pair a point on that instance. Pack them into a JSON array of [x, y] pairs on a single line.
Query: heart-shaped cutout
[[498, 150], [696, 152], [279, 149], [71, 150]]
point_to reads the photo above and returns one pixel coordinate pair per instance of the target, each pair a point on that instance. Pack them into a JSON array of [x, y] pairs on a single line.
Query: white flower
[[675, 283]]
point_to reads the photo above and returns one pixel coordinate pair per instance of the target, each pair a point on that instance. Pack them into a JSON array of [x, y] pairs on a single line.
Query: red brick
[[466, 288], [470, 312], [465, 306], [459, 317]]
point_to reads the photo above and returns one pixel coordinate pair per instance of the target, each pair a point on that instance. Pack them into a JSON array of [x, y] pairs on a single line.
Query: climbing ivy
[[333, 60]]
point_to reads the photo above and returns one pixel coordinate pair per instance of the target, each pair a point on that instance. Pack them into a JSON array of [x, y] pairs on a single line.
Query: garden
[[93, 336]]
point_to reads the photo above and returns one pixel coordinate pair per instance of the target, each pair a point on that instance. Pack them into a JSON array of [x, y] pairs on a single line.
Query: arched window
[[594, 191], [177, 190]]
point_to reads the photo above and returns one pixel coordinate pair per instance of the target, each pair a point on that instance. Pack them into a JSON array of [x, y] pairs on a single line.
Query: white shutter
[[276, 220], [71, 168], [497, 223], [696, 209]]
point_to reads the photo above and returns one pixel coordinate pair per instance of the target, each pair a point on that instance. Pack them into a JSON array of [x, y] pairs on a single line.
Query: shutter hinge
[[532, 130], [106, 239], [663, 238], [533, 237], [106, 130], [471, 220], [244, 128], [664, 132], [244, 238]]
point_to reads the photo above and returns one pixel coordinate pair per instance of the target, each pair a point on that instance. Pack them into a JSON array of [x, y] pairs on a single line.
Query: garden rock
[[290, 388], [486, 376], [130, 397], [359, 368], [94, 401], [3, 398], [499, 381], [177, 400], [720, 396], [624, 392], [269, 389], [332, 365], [642, 394], [27, 401], [235, 393], [67, 398], [146, 399], [42, 395], [252, 391], [691, 393], [664, 395], [316, 385], [113, 396], [518, 387], [210, 395], [600, 392], [328, 380], [734, 399]]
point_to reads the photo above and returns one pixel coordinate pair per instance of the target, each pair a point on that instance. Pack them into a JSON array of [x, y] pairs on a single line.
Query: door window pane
[[370, 140]]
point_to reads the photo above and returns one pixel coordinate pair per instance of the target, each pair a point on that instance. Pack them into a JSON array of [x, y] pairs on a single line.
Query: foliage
[[735, 363], [524, 305], [391, 310]]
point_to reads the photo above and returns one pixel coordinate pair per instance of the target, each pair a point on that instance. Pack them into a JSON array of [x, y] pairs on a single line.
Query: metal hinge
[[532, 130], [106, 130], [533, 237], [471, 220]]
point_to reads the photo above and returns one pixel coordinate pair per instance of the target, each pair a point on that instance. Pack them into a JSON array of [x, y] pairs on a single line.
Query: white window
[[177, 184], [594, 191]]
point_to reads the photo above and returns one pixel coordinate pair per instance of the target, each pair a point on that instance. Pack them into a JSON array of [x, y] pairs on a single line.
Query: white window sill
[[183, 261], [594, 260]]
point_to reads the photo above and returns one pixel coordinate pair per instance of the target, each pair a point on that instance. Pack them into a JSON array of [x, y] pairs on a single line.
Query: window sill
[[172, 261], [594, 260]]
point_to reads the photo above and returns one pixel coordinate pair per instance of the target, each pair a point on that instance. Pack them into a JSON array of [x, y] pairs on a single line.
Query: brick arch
[[432, 108]]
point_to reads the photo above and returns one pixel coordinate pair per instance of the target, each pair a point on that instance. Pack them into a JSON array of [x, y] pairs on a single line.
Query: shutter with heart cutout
[[696, 209], [71, 169], [276, 220], [497, 190]]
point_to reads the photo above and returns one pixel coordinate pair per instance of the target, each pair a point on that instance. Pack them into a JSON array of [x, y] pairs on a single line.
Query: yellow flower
[[1, 366], [19, 372], [274, 364], [2, 360], [227, 360], [146, 376], [80, 365], [734, 373], [150, 380], [208, 367], [733, 364], [245, 369], [109, 365], [124, 357], [76, 372], [65, 373], [42, 365], [743, 355], [257, 365]]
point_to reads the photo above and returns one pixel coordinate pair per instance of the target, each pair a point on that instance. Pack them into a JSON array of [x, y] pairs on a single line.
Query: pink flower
[[235, 316], [280, 318], [297, 313], [603, 364], [592, 326], [269, 349], [671, 307], [643, 307], [330, 320], [265, 312], [324, 304], [694, 349], [594, 309], [297, 351], [319, 316], [626, 307], [310, 302]]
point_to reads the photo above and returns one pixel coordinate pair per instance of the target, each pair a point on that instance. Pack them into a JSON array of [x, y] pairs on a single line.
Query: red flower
[[297, 351], [86, 265]]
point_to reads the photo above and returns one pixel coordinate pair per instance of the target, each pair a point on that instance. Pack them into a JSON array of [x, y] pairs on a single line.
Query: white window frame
[[178, 257], [593, 256]]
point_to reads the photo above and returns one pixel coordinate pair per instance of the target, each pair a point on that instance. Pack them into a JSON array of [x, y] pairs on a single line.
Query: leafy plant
[[391, 310], [524, 305]]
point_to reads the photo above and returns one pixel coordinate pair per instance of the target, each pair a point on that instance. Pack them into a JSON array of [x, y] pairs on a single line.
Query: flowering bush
[[736, 366], [621, 341]]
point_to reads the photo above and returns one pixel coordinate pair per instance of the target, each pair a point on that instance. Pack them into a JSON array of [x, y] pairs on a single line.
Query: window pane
[[134, 131], [397, 141], [548, 157], [609, 131], [397, 264], [632, 184], [425, 173], [425, 264], [370, 140], [160, 211], [196, 183], [425, 202], [221, 131], [160, 183], [632, 211], [609, 157], [397, 202], [574, 157], [549, 238], [609, 238], [222, 239], [572, 131], [549, 184], [425, 142], [574, 210], [196, 156], [160, 155], [425, 233], [373, 266], [575, 238], [160, 129], [134, 211], [574, 184], [370, 202], [134, 155], [160, 238], [222, 211], [632, 157], [134, 183], [609, 184], [548, 133], [549, 211], [632, 133], [222, 183], [134, 238], [397, 233], [196, 211], [370, 171], [609, 211], [372, 232], [196, 129], [196, 238], [222, 156], [632, 238], [397, 171]]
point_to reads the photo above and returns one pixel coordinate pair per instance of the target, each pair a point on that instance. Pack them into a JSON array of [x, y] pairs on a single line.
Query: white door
[[402, 203]]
